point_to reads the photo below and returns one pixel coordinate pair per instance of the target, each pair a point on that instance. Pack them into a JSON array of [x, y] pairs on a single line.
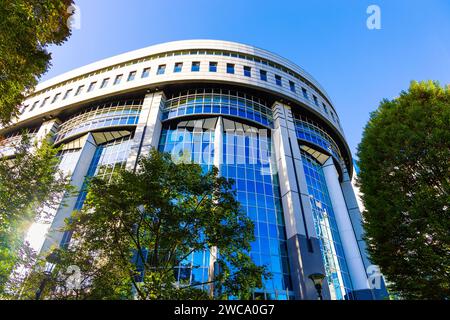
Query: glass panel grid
[[326, 229], [257, 190], [107, 159], [101, 116], [309, 130], [218, 101]]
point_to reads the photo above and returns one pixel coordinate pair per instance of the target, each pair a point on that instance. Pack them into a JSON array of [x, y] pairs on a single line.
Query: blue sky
[[358, 67]]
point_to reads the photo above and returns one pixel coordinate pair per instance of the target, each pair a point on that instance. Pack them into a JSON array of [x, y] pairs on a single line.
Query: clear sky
[[358, 67]]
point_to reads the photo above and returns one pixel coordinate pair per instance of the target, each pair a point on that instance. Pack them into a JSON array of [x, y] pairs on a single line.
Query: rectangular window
[[195, 66], [104, 83], [56, 97], [213, 67], [278, 80], [67, 94], [316, 102], [131, 76], [263, 75], [80, 88], [332, 116], [292, 86], [178, 67], [145, 73], [118, 79], [305, 93], [23, 109], [161, 69], [247, 71], [325, 109], [34, 105], [44, 102], [91, 86], [230, 68]]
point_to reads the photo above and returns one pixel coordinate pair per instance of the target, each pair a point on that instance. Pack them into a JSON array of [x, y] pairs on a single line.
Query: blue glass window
[[161, 69], [230, 68], [104, 83], [305, 93], [91, 86], [292, 86], [178, 66], [247, 71], [213, 67], [278, 80], [263, 75], [118, 79], [195, 66], [145, 73], [80, 88], [131, 76], [316, 102], [67, 94]]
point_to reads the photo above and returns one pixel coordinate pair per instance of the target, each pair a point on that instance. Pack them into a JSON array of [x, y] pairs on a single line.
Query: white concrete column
[[48, 129], [354, 210], [218, 144], [78, 173], [287, 174], [305, 257], [148, 130], [351, 250], [218, 160]]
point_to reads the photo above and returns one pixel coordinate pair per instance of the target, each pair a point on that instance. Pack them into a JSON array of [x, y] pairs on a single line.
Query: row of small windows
[[194, 67], [183, 53]]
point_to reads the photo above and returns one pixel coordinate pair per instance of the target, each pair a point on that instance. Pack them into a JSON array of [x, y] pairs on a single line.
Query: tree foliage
[[404, 158], [27, 27], [31, 185], [134, 232]]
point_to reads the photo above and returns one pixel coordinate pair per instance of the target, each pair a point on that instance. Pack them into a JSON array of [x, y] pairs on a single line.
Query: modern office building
[[261, 119]]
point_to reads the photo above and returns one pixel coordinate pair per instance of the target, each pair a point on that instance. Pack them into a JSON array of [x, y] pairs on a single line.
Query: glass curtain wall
[[247, 159], [107, 158], [337, 274]]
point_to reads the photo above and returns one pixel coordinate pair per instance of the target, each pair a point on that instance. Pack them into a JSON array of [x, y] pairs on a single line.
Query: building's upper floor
[[179, 63]]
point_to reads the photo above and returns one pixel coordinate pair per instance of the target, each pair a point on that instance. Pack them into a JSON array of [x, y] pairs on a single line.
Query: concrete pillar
[[305, 257], [148, 129], [79, 171], [48, 129], [354, 214], [348, 239]]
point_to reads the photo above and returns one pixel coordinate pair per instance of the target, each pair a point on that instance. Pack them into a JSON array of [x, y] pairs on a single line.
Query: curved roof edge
[[179, 45]]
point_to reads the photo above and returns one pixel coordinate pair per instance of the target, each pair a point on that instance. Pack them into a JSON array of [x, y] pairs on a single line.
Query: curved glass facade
[[225, 104], [247, 159], [337, 274], [218, 101], [310, 131], [193, 140], [107, 158], [120, 113]]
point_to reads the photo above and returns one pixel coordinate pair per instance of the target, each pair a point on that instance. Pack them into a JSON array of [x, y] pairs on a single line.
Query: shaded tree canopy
[[135, 233], [404, 158], [27, 27]]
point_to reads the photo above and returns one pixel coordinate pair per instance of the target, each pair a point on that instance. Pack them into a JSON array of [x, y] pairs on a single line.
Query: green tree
[[134, 232], [27, 27], [404, 158], [31, 186]]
